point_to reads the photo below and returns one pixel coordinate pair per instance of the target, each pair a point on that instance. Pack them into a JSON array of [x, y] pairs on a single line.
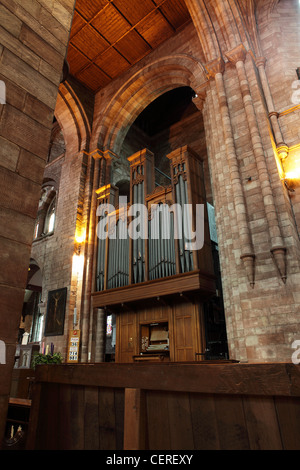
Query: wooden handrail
[[278, 379]]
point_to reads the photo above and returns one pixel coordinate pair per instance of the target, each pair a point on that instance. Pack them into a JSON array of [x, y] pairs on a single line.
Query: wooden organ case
[[156, 283]]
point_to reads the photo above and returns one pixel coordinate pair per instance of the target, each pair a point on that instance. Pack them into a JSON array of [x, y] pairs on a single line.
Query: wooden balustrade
[[172, 406]]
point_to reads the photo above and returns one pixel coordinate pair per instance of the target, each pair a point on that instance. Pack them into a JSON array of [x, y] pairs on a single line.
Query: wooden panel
[[232, 428], [199, 406], [77, 24], [134, 10], [91, 419], [262, 423], [112, 63], [158, 425], [184, 347], [111, 24], [134, 420], [126, 346], [187, 282], [288, 412], [47, 435], [180, 422], [94, 21], [77, 430], [93, 77], [133, 47], [89, 9], [176, 12], [154, 28], [204, 422], [89, 42]]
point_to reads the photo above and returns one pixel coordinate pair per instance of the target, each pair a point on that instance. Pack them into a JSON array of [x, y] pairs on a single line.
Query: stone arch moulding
[[140, 90], [72, 119]]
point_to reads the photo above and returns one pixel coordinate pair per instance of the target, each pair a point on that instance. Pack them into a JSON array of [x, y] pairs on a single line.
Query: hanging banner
[[73, 347]]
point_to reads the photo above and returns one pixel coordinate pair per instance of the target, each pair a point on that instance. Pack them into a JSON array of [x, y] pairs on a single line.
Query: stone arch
[[140, 90], [72, 119]]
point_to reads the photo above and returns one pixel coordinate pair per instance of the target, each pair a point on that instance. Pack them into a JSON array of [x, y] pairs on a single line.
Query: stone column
[[89, 256], [101, 176], [32, 35], [238, 56], [282, 148], [216, 69]]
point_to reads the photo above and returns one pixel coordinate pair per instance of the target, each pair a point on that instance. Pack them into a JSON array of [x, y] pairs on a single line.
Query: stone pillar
[[216, 69], [102, 165], [278, 250], [34, 38]]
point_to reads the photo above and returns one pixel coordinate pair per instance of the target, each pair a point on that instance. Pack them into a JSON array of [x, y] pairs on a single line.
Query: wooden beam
[[134, 419]]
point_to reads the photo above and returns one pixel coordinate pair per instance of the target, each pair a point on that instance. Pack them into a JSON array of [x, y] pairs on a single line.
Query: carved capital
[[282, 150], [260, 62], [214, 67], [200, 96], [238, 54]]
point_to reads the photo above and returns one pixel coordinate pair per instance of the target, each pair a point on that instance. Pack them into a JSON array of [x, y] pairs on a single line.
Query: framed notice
[[73, 346]]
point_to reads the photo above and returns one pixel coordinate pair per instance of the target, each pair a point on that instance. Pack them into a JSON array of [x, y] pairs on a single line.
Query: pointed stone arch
[[72, 119]]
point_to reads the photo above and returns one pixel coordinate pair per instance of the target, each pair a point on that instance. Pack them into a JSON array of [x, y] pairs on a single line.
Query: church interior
[[150, 181]]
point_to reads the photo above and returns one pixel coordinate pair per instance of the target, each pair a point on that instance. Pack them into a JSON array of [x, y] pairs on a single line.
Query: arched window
[[50, 217]]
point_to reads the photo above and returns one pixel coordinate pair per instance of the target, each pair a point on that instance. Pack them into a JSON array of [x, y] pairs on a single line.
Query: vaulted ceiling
[[109, 36]]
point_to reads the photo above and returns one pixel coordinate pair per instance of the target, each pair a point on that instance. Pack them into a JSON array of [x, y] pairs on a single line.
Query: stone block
[[24, 197], [10, 22], [14, 254], [25, 76], [25, 132], [31, 167], [16, 226], [41, 47], [9, 154]]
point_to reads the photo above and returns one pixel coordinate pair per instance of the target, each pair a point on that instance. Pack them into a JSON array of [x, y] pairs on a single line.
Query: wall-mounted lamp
[[79, 240]]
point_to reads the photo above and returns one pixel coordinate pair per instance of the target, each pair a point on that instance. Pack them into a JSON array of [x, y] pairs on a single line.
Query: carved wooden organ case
[[156, 283]]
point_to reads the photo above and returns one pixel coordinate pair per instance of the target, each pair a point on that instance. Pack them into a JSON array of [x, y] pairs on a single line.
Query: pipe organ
[[154, 260]]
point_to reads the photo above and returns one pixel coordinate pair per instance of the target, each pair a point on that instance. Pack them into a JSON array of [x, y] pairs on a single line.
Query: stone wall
[[34, 37]]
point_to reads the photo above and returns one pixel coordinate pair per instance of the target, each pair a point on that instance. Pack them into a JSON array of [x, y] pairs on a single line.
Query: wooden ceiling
[[109, 36]]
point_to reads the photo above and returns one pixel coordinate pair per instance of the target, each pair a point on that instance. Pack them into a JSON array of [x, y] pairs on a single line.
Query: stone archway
[[140, 90]]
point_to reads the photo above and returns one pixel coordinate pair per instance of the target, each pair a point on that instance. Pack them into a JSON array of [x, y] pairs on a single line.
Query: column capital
[[215, 66], [98, 154], [200, 95], [260, 62], [238, 54]]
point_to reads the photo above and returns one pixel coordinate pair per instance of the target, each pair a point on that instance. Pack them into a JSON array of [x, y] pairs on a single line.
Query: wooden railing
[[173, 406]]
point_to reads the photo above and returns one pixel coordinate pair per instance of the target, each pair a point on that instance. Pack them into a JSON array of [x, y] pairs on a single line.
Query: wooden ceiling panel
[[112, 63], [77, 25], [133, 47], [134, 10], [155, 28], [93, 77], [176, 12], [89, 8], [111, 24], [89, 42], [77, 61], [108, 36]]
